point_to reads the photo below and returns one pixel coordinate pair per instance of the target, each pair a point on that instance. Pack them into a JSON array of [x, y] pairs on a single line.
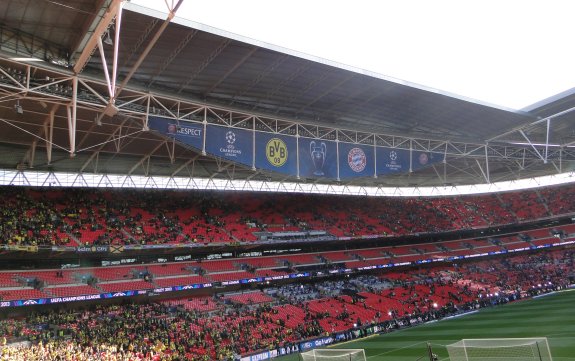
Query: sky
[[507, 53]]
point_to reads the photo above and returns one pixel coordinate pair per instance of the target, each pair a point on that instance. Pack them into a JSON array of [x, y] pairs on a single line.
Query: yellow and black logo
[[276, 152]]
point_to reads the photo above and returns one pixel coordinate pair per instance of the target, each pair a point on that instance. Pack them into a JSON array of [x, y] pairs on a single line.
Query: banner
[[92, 249], [317, 158], [232, 144], [116, 249], [355, 160], [425, 159], [276, 152], [319, 342], [191, 134], [392, 160], [23, 248]]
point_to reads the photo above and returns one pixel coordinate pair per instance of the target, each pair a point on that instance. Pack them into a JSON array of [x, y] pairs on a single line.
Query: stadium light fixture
[[18, 108], [108, 40], [32, 59]]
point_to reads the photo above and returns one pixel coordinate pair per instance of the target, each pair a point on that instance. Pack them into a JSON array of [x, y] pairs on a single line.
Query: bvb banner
[[276, 152]]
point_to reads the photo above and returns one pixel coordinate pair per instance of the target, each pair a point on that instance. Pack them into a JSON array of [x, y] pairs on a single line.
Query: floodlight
[[108, 38], [18, 108]]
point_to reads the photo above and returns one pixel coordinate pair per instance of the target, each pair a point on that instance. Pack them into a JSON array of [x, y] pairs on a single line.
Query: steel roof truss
[[214, 54], [244, 122], [145, 158], [124, 105], [484, 173], [308, 131], [327, 134], [184, 165], [299, 71], [442, 177], [364, 138], [262, 124], [290, 129], [188, 114], [256, 80], [181, 46], [346, 136], [543, 158], [161, 105], [100, 29]]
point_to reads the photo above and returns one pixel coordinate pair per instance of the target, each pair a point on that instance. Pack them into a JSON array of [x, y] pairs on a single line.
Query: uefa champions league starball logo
[[229, 150], [230, 137], [393, 155]]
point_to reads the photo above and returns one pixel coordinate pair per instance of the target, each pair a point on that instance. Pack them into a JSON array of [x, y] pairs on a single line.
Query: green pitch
[[552, 316]]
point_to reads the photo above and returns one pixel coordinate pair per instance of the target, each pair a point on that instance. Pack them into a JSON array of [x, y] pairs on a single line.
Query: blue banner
[[317, 158], [232, 144], [279, 153], [319, 342], [188, 133], [425, 159], [392, 160], [98, 296], [355, 160], [276, 152]]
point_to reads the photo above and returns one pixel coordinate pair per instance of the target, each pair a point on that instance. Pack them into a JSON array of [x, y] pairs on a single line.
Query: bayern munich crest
[[356, 159]]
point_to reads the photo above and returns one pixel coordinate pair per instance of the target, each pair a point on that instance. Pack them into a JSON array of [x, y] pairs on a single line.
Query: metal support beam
[[49, 132], [46, 134], [181, 46], [31, 154], [532, 146], [116, 50], [187, 163], [92, 42], [71, 130], [525, 126], [147, 50], [145, 157], [90, 159], [105, 66], [71, 113], [547, 141], [486, 174]]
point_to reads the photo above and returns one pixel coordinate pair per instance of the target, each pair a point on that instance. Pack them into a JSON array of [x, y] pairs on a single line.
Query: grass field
[[552, 316]]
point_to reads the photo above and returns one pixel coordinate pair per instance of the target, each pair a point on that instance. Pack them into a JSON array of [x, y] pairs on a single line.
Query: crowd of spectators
[[164, 331], [32, 216]]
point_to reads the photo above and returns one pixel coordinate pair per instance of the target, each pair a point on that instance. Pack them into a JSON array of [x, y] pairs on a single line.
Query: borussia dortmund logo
[[276, 152]]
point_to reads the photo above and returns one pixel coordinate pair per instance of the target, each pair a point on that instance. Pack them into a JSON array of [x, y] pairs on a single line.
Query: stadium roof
[[160, 64]]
